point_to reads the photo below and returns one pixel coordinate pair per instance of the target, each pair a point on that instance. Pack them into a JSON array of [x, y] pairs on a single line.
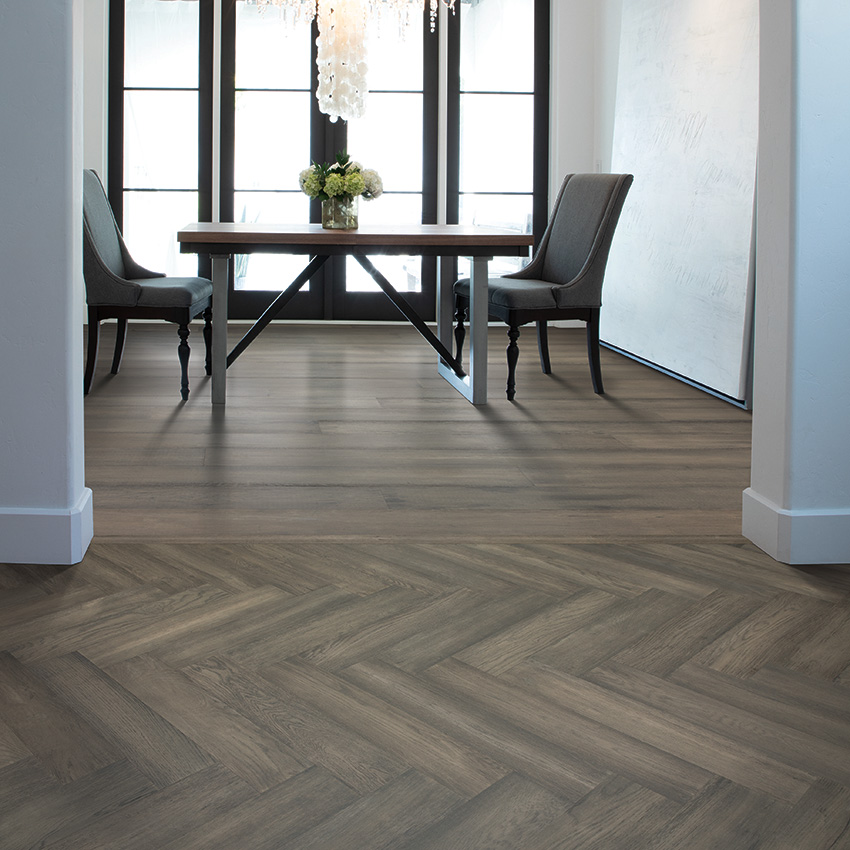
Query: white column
[[45, 509], [798, 505]]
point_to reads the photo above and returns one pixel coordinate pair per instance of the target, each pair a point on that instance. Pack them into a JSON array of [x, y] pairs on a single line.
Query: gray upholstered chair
[[564, 278], [119, 288]]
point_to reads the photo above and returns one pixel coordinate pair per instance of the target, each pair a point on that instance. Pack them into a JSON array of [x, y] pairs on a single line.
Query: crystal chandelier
[[342, 54]]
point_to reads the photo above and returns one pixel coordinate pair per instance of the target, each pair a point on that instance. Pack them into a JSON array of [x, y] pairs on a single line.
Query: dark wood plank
[[430, 750], [454, 635], [63, 741], [384, 818], [249, 752], [818, 822], [793, 747], [769, 635], [674, 642], [596, 743], [271, 819], [724, 815], [159, 817], [617, 625], [688, 741], [151, 744], [312, 736], [41, 813], [559, 769], [617, 813], [801, 703], [506, 647], [510, 813], [348, 616]]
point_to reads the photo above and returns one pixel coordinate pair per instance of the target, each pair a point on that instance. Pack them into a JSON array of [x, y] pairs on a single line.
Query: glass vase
[[340, 213]]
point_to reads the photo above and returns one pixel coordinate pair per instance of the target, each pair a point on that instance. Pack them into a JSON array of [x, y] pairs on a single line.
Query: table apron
[[219, 249]]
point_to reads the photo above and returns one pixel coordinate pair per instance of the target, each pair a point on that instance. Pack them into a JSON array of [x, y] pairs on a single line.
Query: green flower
[[311, 184], [334, 185], [345, 177], [354, 183]]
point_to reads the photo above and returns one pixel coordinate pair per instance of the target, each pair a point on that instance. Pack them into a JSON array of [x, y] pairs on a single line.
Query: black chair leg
[[543, 347], [460, 331], [91, 351], [183, 355], [208, 340], [513, 356], [593, 352], [120, 339]]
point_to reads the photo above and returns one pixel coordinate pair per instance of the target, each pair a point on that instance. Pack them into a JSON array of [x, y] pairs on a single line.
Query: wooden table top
[[433, 239]]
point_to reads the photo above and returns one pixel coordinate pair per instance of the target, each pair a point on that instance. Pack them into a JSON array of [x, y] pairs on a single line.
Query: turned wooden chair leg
[[208, 340], [513, 356], [120, 339], [593, 352], [91, 350], [460, 331], [543, 347], [183, 354]]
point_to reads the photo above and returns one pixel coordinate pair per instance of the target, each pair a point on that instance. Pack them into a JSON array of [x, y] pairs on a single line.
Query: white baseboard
[[47, 536], [796, 537]]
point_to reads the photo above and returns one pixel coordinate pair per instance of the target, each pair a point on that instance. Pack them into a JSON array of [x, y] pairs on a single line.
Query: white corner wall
[[95, 78], [798, 505], [585, 44], [45, 509], [572, 89]]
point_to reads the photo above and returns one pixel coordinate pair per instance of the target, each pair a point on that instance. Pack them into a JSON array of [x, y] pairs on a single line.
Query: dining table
[[221, 241]]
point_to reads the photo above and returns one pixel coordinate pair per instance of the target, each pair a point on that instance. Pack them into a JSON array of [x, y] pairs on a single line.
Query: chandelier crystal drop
[[342, 52], [342, 59]]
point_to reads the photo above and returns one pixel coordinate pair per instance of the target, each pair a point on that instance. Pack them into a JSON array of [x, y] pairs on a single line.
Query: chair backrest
[[99, 224], [108, 269], [574, 248]]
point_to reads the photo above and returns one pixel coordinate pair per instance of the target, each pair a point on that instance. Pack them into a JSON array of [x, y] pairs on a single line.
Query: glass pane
[[269, 271], [388, 138], [272, 139], [510, 211], [497, 46], [272, 50], [496, 142], [395, 58], [513, 212], [271, 207], [404, 273], [161, 44], [161, 139], [399, 209], [151, 222]]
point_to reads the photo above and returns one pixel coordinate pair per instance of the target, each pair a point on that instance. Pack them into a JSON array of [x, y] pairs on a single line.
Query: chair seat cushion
[[515, 293], [173, 291]]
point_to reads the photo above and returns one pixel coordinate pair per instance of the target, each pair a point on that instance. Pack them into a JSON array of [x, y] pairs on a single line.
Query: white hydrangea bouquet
[[344, 179]]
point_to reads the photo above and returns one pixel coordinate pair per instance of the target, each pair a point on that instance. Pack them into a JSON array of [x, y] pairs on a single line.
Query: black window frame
[[116, 89]]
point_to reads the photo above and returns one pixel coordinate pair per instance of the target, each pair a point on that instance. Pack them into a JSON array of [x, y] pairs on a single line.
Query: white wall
[[95, 58], [572, 89], [798, 505], [585, 42], [45, 509]]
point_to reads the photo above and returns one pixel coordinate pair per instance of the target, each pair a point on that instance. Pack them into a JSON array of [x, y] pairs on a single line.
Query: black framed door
[[490, 165]]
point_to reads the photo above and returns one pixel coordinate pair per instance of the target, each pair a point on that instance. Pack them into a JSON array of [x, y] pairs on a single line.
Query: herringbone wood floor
[[353, 612]]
